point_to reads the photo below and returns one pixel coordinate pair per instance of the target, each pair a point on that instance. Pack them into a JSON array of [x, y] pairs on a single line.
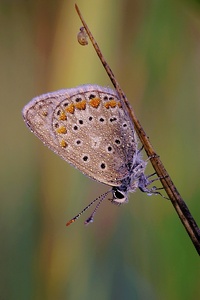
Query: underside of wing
[[88, 128]]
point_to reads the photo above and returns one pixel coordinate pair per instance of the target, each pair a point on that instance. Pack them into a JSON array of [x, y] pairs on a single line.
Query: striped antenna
[[90, 219]]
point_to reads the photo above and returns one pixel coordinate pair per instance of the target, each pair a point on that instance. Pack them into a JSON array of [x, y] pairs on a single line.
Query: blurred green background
[[137, 251]]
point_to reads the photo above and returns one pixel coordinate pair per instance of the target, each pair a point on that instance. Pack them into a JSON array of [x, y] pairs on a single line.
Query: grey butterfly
[[89, 127]]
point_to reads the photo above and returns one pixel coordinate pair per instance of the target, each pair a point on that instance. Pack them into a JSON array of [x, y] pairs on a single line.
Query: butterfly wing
[[88, 128]]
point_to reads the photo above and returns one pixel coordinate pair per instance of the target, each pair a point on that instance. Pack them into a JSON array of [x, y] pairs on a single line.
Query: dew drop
[[82, 37]]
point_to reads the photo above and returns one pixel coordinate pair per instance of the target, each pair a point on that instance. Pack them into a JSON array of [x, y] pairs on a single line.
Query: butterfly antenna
[[90, 219]]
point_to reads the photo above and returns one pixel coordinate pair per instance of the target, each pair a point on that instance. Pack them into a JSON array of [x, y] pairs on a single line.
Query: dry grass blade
[[178, 203]]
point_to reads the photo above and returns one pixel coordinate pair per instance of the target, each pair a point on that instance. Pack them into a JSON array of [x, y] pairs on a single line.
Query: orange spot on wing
[[62, 129], [70, 108], [94, 102], [63, 144], [81, 105], [119, 104], [45, 113], [62, 116], [111, 103]]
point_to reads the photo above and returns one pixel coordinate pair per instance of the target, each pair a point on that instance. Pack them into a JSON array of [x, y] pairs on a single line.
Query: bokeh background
[[140, 250]]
